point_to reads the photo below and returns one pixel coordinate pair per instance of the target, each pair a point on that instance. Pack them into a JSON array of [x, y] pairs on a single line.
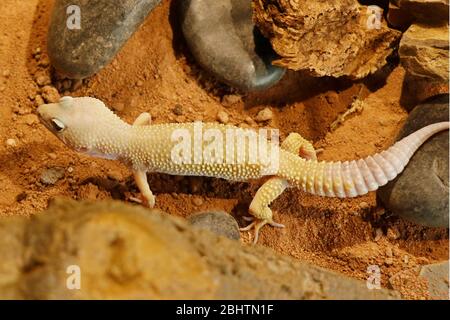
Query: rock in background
[[329, 38], [218, 222], [421, 192], [82, 50], [424, 47], [222, 37], [403, 13], [129, 252], [424, 52]]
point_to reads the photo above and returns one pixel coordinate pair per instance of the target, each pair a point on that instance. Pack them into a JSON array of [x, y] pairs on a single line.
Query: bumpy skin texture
[[87, 125]]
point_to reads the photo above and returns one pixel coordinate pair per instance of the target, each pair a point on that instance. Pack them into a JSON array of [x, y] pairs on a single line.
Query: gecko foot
[[149, 203], [257, 224]]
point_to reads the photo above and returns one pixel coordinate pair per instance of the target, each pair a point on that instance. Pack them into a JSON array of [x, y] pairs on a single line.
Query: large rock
[[222, 37], [424, 52], [403, 13], [12, 253], [123, 252], [436, 277], [105, 27], [329, 38], [420, 193]]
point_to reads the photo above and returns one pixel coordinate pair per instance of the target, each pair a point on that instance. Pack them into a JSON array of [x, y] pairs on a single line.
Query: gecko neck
[[112, 141]]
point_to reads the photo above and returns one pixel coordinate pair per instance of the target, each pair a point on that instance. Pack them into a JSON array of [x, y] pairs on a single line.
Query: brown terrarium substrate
[[155, 73]]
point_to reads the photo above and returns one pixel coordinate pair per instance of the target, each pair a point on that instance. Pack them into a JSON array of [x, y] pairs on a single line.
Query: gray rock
[[436, 276], [420, 193], [51, 175], [218, 222], [105, 26], [223, 39]]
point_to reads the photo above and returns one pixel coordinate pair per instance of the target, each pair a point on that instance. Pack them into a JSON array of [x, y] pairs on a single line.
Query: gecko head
[[78, 122]]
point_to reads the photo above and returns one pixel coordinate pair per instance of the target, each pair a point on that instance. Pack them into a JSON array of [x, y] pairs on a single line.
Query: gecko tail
[[358, 177]]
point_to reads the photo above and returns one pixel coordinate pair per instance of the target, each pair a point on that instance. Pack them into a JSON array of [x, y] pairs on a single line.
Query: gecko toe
[[257, 224]]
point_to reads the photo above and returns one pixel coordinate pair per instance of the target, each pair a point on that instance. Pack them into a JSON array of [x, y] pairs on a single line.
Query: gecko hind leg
[[271, 189], [296, 144], [259, 207]]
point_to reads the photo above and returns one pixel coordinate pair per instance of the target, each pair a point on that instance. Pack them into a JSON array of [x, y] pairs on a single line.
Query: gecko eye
[[57, 125]]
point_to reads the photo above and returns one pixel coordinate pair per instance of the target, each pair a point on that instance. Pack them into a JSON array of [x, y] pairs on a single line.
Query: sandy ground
[[154, 72]]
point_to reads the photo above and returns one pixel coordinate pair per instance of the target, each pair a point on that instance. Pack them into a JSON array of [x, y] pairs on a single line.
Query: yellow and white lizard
[[87, 125]]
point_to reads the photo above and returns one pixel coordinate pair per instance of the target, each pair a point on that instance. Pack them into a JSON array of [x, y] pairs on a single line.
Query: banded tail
[[357, 177]]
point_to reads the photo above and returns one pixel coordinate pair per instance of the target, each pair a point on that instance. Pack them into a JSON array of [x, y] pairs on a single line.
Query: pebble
[[45, 62], [223, 117], [43, 80], [389, 252], [249, 120], [406, 259], [392, 233], [264, 115], [230, 99], [38, 100], [66, 84], [378, 234], [11, 142], [119, 106], [420, 193], [6, 73], [52, 155], [197, 201], [21, 110], [218, 222], [364, 205], [223, 39], [114, 175], [106, 26], [50, 94], [30, 119], [51, 175], [21, 196], [178, 110]]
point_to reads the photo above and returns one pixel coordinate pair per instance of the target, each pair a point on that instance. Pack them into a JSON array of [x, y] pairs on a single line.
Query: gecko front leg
[[140, 177], [144, 119]]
